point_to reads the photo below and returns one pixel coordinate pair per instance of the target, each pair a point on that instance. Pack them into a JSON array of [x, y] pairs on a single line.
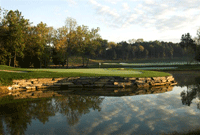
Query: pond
[[141, 111], [152, 63], [151, 68]]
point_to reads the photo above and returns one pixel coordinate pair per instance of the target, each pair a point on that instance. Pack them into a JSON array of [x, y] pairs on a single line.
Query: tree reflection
[[192, 92], [17, 116], [74, 106], [188, 96]]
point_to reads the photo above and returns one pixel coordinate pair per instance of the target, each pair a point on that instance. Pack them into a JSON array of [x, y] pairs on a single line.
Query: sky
[[118, 20]]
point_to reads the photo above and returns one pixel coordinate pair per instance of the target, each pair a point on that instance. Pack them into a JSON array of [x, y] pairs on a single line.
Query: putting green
[[93, 71]]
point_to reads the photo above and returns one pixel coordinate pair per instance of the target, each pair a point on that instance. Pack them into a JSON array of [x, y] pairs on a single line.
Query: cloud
[[159, 14], [112, 1], [125, 6], [115, 126], [72, 2], [149, 2]]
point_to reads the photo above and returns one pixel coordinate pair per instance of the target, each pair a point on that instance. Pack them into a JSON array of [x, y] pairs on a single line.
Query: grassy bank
[[7, 77]]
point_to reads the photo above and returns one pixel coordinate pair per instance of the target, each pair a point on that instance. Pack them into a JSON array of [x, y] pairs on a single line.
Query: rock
[[140, 85], [132, 78], [16, 94], [15, 86], [170, 79], [86, 82], [163, 80], [30, 88], [28, 91], [42, 87], [72, 78], [173, 83], [103, 80], [140, 81], [99, 85], [158, 84], [57, 84], [116, 91], [18, 81], [67, 83], [127, 84]]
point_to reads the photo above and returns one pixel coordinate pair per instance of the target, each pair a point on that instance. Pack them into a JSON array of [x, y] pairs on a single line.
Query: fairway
[[93, 71]]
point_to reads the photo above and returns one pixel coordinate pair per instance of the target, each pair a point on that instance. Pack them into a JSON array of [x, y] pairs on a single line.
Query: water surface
[[141, 111]]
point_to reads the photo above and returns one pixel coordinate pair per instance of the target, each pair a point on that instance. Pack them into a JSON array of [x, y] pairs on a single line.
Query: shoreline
[[104, 82]]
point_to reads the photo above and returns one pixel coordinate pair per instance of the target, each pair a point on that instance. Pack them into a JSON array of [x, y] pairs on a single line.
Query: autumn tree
[[61, 46]]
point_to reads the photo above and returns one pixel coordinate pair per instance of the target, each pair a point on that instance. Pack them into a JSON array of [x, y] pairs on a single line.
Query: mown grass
[[7, 77]]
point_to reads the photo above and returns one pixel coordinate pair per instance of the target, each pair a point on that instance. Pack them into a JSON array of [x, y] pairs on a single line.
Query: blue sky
[[119, 20]]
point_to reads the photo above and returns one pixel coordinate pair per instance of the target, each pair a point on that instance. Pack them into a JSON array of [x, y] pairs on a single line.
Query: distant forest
[[25, 45]]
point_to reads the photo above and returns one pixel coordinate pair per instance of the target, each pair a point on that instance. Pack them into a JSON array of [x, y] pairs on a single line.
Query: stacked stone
[[89, 82], [34, 88]]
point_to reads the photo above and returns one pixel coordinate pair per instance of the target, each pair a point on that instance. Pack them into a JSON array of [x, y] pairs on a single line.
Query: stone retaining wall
[[90, 82], [36, 88]]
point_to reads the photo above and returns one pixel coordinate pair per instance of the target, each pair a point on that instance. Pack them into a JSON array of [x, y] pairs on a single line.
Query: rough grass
[[7, 77]]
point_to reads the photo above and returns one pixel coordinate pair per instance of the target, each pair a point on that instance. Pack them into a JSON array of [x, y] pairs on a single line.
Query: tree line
[[25, 45]]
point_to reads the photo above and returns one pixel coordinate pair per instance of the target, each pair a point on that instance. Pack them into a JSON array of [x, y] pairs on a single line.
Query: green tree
[[86, 42], [197, 40], [71, 25], [4, 53], [187, 43], [37, 51], [61, 45], [16, 25]]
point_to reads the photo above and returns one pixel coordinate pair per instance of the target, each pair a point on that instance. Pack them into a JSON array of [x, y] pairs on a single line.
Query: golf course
[[9, 73]]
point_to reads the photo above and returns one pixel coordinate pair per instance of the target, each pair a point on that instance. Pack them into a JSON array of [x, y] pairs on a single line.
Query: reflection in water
[[191, 93], [190, 79], [112, 111], [17, 116], [74, 106]]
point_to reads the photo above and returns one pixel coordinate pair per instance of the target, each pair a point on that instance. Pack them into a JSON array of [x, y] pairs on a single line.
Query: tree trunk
[[87, 62], [9, 61], [83, 61], [40, 64], [15, 59], [67, 62]]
